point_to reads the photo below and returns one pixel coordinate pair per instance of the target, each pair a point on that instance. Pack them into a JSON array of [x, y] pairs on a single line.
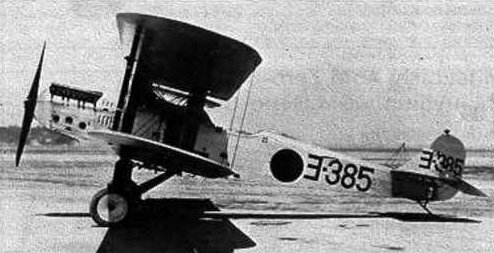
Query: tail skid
[[423, 204], [459, 184]]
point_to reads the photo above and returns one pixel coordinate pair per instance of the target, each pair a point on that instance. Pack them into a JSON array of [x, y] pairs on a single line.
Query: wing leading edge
[[145, 150], [186, 57]]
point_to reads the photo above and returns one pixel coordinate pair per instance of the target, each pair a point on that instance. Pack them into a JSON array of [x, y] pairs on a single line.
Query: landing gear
[[114, 204], [429, 196], [107, 208], [423, 204]]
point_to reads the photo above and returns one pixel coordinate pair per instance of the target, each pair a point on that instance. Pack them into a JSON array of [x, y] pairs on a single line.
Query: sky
[[336, 73]]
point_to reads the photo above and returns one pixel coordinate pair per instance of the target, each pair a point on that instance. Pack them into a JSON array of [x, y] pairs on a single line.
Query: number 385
[[349, 175]]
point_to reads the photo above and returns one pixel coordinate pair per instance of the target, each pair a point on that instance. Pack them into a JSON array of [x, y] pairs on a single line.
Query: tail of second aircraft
[[435, 174]]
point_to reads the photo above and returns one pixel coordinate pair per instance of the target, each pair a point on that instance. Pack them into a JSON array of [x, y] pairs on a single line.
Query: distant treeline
[[37, 136]]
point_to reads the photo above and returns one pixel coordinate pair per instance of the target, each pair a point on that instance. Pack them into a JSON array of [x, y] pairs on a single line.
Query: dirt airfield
[[44, 205]]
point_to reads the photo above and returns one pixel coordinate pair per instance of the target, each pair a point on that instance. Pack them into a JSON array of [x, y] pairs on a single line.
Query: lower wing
[[148, 151]]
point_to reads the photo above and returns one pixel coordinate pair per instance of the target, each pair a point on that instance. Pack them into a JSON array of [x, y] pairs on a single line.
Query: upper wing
[[186, 57], [145, 150]]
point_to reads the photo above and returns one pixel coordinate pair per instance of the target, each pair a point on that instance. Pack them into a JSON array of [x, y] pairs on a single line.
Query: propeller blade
[[29, 107]]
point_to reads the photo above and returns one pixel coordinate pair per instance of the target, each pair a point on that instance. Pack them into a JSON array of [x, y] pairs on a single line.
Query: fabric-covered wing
[[148, 151], [187, 57]]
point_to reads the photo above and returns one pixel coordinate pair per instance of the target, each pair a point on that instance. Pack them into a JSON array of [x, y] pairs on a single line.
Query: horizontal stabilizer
[[454, 182], [465, 187]]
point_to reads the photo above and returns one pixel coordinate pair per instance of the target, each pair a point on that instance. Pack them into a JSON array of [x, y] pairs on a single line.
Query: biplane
[[174, 71]]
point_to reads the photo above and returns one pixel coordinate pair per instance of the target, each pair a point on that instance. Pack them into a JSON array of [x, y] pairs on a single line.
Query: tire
[[108, 209]]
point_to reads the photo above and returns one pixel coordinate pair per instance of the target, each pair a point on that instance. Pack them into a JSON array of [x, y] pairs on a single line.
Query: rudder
[[431, 169], [446, 156]]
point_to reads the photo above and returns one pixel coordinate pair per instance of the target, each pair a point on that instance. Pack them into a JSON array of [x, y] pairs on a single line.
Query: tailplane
[[465, 187], [445, 158], [435, 174]]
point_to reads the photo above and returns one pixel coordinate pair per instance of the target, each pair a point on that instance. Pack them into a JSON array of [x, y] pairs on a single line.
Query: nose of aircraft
[[29, 107]]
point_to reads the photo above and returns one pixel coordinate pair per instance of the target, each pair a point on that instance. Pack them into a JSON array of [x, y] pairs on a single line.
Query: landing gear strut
[[423, 204], [114, 204], [429, 196]]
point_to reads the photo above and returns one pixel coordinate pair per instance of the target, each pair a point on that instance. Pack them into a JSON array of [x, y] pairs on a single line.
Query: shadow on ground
[[401, 216], [197, 225], [174, 225], [424, 217], [405, 216], [171, 225]]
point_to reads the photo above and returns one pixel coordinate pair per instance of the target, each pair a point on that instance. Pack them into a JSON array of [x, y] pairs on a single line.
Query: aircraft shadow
[[424, 217], [401, 216], [174, 225], [197, 225], [171, 225]]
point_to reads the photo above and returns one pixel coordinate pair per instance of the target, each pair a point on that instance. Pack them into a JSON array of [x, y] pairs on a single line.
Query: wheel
[[108, 209]]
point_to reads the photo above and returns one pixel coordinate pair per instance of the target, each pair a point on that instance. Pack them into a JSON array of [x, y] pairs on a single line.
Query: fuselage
[[74, 116], [291, 161], [294, 162]]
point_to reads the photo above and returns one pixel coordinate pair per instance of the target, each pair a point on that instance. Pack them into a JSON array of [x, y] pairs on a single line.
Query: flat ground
[[44, 205]]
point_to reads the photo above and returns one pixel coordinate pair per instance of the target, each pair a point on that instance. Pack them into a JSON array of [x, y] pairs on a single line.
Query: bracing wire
[[234, 112], [242, 121]]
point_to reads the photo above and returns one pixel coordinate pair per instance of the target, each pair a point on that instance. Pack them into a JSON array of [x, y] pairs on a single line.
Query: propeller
[[29, 106]]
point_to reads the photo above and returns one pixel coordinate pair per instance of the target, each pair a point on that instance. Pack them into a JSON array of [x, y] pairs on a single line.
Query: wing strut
[[242, 121], [129, 69], [234, 113]]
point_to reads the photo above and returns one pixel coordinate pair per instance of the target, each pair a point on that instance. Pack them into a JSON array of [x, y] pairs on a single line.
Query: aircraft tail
[[439, 167], [465, 187], [445, 158]]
